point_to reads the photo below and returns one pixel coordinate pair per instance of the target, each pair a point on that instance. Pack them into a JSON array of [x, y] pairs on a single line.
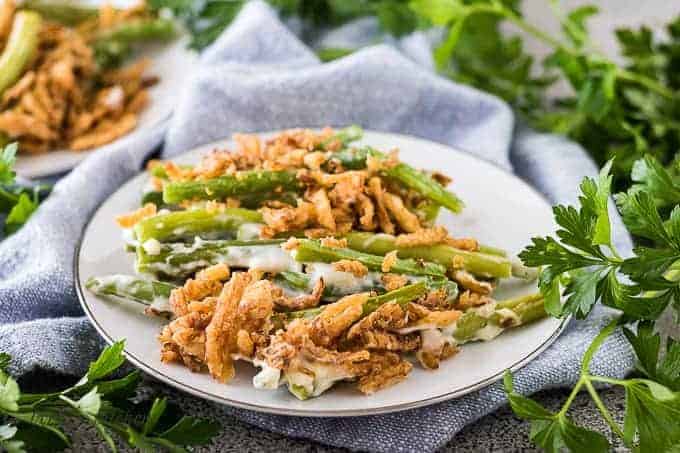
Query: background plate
[[501, 210], [170, 62]]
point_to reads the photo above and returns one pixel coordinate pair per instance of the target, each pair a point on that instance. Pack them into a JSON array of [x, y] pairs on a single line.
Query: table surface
[[500, 431]]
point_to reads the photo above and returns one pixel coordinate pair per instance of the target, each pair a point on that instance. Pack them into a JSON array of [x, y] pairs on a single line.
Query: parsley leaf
[[652, 412], [20, 213], [662, 368], [553, 431], [577, 262], [7, 432], [108, 405], [7, 160], [649, 176], [108, 361]]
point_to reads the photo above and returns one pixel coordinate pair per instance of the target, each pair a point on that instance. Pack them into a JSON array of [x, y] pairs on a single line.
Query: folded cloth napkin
[[259, 76]]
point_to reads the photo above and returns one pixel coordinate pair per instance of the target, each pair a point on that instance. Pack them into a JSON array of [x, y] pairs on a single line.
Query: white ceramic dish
[[501, 210], [169, 62]]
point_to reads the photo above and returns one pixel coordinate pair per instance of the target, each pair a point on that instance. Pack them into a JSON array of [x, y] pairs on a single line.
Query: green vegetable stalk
[[191, 223], [20, 49], [222, 187], [65, 12], [311, 251], [477, 263], [131, 288]]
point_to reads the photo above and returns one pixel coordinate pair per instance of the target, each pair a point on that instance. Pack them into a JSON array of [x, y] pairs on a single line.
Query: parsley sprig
[[34, 422], [581, 264], [17, 203], [616, 110]]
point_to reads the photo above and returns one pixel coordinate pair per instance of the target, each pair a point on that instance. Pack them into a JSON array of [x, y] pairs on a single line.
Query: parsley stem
[[645, 81], [608, 380], [570, 398], [535, 31], [603, 409], [623, 74], [595, 345]]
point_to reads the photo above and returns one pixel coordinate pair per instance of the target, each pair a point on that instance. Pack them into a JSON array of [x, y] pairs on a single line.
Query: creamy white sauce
[[267, 258], [129, 237], [416, 328], [249, 231], [119, 281], [485, 311], [432, 340], [345, 281], [161, 305], [489, 332], [152, 247], [508, 315], [325, 376], [179, 231], [269, 378]]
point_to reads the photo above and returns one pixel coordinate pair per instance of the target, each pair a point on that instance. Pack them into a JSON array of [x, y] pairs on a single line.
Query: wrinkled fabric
[[258, 76]]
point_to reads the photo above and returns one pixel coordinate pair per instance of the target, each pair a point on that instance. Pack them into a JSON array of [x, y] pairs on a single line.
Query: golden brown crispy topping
[[287, 219], [324, 215], [458, 262], [431, 357], [389, 261], [469, 281], [470, 299], [387, 316], [393, 281], [425, 236], [291, 244], [464, 243], [64, 99], [193, 290], [441, 178], [378, 193], [384, 369], [373, 331], [304, 301], [244, 344], [220, 334], [314, 160], [219, 272], [335, 243], [407, 220], [436, 300], [353, 267], [336, 318], [184, 340], [130, 219], [366, 212]]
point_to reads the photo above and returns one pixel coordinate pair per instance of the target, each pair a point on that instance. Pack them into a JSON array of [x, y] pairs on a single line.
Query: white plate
[[170, 62], [501, 210]]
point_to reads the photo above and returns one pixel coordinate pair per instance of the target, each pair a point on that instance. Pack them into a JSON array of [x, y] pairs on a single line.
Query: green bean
[[67, 12], [131, 288], [523, 310], [245, 182], [139, 30], [178, 261], [401, 296], [310, 251], [197, 222], [20, 49], [481, 264], [345, 136]]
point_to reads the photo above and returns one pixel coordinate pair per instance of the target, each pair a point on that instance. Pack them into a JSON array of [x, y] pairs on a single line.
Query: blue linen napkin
[[259, 76]]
